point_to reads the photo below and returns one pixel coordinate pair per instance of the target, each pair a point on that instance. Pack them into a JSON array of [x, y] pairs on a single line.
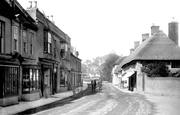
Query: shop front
[[49, 79], [9, 84], [30, 82]]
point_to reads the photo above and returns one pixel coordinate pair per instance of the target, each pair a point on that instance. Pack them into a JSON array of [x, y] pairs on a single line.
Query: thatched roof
[[157, 47], [118, 62]]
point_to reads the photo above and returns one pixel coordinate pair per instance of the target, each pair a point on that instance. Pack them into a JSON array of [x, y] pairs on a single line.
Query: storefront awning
[[127, 75]]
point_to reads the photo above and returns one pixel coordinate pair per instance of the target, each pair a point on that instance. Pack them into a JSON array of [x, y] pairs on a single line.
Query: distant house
[[158, 47], [116, 79]]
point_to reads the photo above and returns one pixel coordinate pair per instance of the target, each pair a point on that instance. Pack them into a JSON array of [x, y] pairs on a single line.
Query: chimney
[[131, 50], [52, 19], [35, 2], [154, 29], [77, 53], [30, 4], [145, 36], [173, 31], [136, 44]]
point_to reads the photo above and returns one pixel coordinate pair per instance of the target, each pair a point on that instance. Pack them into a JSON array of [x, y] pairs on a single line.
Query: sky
[[100, 27]]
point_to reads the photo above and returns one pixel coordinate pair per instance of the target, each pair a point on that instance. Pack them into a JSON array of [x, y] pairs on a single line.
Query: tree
[[108, 64], [155, 69]]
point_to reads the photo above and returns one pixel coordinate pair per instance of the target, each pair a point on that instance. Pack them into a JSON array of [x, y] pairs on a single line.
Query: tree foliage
[[100, 65], [108, 64], [155, 69]]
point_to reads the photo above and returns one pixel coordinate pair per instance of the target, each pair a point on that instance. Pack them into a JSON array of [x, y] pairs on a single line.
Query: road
[[110, 101]]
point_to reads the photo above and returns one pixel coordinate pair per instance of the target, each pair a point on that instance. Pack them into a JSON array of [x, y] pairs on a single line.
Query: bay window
[[2, 35], [31, 42], [24, 41], [16, 35], [30, 80], [47, 42]]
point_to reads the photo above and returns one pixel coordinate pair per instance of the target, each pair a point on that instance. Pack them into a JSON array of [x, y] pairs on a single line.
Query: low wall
[[163, 85]]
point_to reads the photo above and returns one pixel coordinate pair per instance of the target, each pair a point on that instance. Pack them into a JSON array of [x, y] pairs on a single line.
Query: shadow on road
[[58, 103]]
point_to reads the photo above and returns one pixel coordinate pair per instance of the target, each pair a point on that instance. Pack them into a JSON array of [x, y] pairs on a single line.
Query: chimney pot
[[30, 4], [35, 2]]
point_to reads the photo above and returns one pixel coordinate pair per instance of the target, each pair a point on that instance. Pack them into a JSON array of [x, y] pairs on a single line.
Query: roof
[[157, 47], [118, 62]]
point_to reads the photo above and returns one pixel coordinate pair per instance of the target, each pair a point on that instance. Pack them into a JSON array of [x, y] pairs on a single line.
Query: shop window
[[9, 81], [30, 80], [2, 35]]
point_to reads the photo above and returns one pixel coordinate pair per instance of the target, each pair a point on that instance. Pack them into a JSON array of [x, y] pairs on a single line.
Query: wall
[[8, 38], [162, 85]]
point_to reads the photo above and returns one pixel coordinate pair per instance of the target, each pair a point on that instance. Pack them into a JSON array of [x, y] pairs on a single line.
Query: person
[[100, 85], [92, 86]]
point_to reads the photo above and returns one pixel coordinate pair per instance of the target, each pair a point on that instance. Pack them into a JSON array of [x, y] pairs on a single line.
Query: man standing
[[92, 85]]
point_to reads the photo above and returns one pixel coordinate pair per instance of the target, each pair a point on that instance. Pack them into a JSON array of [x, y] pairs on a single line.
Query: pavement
[[23, 106], [163, 105]]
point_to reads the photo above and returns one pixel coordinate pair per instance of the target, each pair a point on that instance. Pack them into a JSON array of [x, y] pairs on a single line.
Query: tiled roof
[[157, 47]]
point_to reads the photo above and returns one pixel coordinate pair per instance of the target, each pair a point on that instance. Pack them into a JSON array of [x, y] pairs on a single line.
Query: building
[[75, 68], [34, 53], [157, 48], [18, 36], [116, 78]]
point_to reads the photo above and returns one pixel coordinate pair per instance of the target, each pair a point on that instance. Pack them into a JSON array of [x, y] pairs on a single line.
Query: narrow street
[[110, 101]]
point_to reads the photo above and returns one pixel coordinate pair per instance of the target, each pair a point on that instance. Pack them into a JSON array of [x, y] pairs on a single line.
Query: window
[[24, 41], [2, 35], [175, 64], [16, 35], [9, 81], [47, 42], [31, 42], [55, 49], [30, 80]]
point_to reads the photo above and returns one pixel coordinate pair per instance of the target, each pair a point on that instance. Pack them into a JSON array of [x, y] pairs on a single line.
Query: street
[[111, 101]]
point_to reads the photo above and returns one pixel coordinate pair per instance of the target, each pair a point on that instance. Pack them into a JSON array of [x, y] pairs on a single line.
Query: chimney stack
[[154, 29], [35, 2], [145, 36], [131, 50], [173, 31], [30, 4], [136, 44]]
